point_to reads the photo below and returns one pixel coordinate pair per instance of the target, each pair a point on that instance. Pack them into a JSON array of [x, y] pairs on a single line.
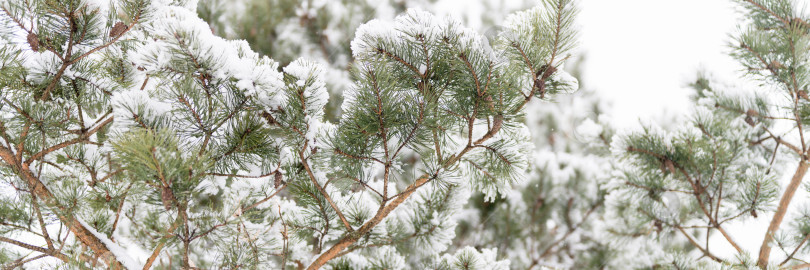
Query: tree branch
[[40, 190], [781, 210]]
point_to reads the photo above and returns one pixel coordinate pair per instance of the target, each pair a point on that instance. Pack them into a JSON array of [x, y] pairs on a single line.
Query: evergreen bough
[[722, 165], [130, 128]]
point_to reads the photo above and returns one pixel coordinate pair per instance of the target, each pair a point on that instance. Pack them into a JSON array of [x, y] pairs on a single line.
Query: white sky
[[639, 53], [642, 53]]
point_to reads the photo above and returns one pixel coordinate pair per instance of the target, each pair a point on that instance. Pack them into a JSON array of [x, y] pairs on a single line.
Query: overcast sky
[[639, 53], [642, 53]]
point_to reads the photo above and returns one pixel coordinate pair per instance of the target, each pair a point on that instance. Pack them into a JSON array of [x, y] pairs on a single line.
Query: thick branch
[[352, 237], [781, 210], [162, 243], [42, 250], [41, 191]]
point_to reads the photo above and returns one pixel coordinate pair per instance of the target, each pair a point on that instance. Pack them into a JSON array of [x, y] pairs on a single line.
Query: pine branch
[[27, 246], [697, 192], [400, 60], [41, 222], [804, 240], [30, 32], [383, 198], [339, 152], [383, 212], [496, 126], [241, 176], [781, 210], [769, 11], [322, 191], [40, 190], [111, 42], [82, 138], [118, 211], [162, 243], [695, 244], [20, 262], [557, 30], [68, 54], [570, 230]]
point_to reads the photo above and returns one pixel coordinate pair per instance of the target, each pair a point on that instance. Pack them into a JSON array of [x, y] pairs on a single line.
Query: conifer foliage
[[721, 167], [133, 137]]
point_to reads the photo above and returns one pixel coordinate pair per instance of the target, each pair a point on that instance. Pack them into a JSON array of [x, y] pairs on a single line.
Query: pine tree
[[722, 165], [285, 30], [132, 134], [553, 218], [496, 222]]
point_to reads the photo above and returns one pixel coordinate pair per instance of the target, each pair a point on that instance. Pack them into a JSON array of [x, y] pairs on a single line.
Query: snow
[[259, 77], [232, 59], [470, 258], [407, 27], [169, 28], [127, 104], [309, 76], [568, 82], [120, 253], [589, 129], [373, 28]]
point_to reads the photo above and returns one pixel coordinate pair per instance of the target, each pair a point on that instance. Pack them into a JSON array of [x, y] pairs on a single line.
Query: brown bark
[[352, 237], [41, 191], [776, 221], [386, 209], [161, 244]]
